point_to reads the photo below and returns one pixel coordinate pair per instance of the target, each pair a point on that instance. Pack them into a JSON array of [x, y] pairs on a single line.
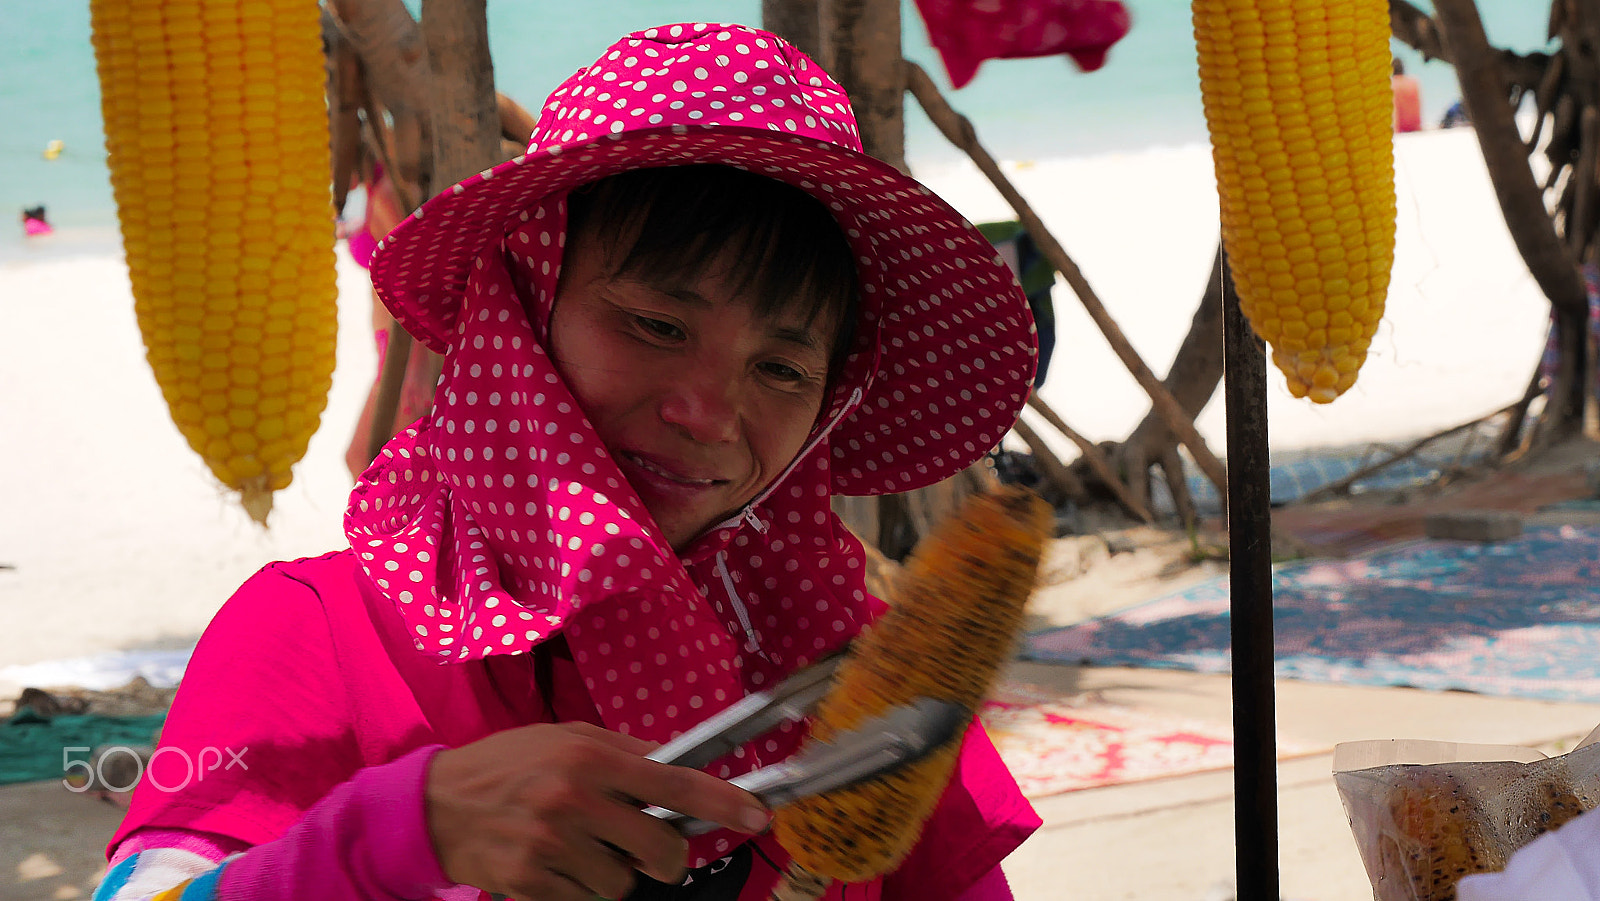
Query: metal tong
[[902, 735]]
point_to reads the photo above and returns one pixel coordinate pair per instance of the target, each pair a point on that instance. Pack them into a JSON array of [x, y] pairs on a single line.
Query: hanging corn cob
[[1298, 103], [957, 612], [216, 129]]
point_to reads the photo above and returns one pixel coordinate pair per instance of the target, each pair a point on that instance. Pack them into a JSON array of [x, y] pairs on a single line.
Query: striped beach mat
[[1518, 618]]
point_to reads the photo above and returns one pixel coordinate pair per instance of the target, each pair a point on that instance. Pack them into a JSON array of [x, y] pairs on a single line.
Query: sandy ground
[[1160, 840], [114, 537]]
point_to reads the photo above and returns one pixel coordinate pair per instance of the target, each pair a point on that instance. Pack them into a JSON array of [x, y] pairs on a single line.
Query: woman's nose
[[705, 406]]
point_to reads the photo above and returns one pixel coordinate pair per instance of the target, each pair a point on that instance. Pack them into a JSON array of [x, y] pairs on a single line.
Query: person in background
[[1456, 116], [1038, 277], [1407, 99], [34, 224]]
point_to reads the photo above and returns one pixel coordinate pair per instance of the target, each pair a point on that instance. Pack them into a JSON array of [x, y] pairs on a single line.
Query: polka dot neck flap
[[946, 334], [502, 520]]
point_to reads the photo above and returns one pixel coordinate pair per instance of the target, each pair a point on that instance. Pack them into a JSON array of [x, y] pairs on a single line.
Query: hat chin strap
[[748, 511], [752, 642]]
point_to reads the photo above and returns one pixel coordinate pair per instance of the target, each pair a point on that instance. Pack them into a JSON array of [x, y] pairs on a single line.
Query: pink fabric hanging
[[967, 32]]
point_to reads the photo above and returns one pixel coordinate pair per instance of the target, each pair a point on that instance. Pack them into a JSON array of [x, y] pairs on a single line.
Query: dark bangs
[[787, 252]]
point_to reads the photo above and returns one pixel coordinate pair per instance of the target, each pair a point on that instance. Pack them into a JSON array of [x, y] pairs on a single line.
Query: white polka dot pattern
[[502, 520], [946, 351]]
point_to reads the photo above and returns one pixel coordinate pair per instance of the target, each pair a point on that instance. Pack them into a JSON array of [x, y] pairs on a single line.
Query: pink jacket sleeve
[[368, 839]]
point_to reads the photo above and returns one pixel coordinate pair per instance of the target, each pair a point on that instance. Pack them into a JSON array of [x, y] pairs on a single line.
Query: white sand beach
[[115, 536]]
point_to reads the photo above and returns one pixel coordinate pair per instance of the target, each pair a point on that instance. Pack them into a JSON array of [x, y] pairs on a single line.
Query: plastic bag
[[1424, 814]]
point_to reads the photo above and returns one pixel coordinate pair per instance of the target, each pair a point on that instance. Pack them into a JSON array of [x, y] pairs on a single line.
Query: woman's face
[[701, 403]]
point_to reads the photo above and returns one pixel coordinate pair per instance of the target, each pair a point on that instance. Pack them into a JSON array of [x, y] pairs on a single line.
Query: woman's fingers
[[640, 840], [541, 809], [562, 859], [595, 869], [691, 792]]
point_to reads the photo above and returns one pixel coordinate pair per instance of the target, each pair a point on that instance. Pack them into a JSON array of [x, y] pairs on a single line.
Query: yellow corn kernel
[[201, 219], [1298, 104], [957, 612]]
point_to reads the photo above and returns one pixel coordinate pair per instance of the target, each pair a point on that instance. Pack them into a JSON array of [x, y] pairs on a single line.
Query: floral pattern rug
[[1054, 742], [1518, 618]]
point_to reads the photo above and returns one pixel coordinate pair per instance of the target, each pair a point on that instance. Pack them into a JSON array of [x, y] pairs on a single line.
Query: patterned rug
[[1054, 742], [1518, 618]]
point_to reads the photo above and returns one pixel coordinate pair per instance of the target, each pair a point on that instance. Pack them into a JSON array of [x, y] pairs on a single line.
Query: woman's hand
[[552, 812]]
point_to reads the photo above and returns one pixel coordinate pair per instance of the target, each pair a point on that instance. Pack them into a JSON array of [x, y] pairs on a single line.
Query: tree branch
[[1417, 30], [797, 21], [1484, 91], [861, 50], [958, 129], [466, 134], [391, 48], [1067, 486], [1092, 455], [1412, 27]]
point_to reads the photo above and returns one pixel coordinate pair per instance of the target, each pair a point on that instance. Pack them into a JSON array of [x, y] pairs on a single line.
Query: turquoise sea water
[[1146, 95]]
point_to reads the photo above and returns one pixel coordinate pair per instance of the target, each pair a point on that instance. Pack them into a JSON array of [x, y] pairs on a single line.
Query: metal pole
[[1255, 774]]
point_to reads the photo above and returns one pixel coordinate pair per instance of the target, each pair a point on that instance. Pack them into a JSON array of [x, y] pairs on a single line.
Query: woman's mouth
[[658, 470]]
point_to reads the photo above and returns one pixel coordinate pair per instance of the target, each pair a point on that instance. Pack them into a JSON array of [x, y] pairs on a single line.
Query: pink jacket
[[307, 678]]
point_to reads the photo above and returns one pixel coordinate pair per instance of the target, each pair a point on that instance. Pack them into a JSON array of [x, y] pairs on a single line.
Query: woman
[[691, 313]]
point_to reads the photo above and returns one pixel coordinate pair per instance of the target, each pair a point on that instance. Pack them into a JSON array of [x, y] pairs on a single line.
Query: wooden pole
[[959, 131], [797, 21], [466, 117], [861, 50], [391, 379], [1483, 91], [395, 62], [466, 130], [466, 114], [345, 91], [858, 43], [1255, 767]]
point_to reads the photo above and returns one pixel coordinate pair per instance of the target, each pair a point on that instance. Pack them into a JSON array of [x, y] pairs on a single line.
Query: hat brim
[[959, 344]]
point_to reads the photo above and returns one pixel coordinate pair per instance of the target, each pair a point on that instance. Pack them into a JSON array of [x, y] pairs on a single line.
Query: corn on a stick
[[956, 615], [1299, 107], [216, 128]]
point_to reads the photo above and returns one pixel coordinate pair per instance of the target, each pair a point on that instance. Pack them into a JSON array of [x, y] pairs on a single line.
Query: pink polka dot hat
[[956, 338], [501, 521]]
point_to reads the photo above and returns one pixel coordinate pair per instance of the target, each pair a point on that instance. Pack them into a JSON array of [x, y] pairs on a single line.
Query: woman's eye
[[659, 328], [783, 372]]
